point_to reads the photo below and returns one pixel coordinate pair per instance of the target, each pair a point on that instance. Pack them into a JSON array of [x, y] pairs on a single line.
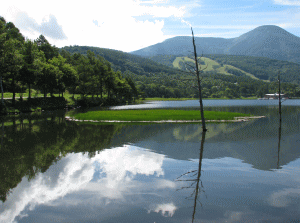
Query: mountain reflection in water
[[57, 171]]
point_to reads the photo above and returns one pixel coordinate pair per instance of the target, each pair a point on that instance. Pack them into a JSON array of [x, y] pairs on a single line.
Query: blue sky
[[129, 25]]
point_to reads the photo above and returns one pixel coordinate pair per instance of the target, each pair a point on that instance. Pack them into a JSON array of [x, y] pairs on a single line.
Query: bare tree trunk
[[199, 175], [1, 90], [13, 89], [279, 98], [279, 131], [199, 84], [29, 95], [279, 139]]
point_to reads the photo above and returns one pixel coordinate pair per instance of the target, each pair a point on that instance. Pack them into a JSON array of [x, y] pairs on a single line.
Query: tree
[[47, 78], [45, 46], [2, 41], [199, 84], [13, 61], [67, 76], [134, 90], [11, 41], [28, 71], [85, 71]]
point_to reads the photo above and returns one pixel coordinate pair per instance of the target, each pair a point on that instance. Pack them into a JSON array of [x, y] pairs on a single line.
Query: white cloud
[[49, 26], [167, 210], [162, 11], [287, 2], [119, 162], [285, 197], [233, 216], [118, 26], [154, 1]]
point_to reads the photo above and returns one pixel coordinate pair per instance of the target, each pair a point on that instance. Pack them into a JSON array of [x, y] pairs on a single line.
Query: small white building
[[275, 96]]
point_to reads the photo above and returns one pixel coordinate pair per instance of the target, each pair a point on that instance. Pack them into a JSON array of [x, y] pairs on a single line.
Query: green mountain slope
[[124, 62], [255, 67]]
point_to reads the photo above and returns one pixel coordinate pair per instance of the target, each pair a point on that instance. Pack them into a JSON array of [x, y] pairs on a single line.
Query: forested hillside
[[166, 80], [259, 67], [124, 62]]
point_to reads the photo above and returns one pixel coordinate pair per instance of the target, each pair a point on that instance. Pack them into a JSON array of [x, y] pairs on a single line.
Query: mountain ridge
[[264, 41]]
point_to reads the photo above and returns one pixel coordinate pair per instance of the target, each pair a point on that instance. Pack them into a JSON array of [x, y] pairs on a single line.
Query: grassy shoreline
[[186, 99], [155, 115]]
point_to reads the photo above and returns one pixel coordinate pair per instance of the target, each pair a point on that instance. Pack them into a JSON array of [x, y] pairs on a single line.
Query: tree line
[[26, 65], [214, 85]]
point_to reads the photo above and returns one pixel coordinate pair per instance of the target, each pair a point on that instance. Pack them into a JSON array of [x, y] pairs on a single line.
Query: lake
[[52, 170]]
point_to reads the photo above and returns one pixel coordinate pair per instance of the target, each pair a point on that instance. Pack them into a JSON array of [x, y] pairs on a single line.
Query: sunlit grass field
[[155, 115]]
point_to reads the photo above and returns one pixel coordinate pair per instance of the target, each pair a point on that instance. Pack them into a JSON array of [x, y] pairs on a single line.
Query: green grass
[[67, 96], [184, 99], [209, 63], [170, 99], [155, 115]]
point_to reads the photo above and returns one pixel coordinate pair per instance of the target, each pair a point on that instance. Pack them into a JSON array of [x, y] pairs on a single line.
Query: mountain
[[264, 41], [256, 67], [124, 62]]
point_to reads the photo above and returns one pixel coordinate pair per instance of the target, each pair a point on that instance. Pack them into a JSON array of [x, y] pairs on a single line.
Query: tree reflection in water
[[279, 139], [197, 183], [31, 144]]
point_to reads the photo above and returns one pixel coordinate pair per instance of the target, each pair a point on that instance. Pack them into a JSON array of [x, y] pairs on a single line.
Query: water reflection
[[197, 183], [238, 140], [279, 141], [53, 170], [113, 176], [31, 144]]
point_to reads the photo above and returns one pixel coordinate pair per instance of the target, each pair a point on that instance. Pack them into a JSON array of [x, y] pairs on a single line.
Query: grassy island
[[156, 115]]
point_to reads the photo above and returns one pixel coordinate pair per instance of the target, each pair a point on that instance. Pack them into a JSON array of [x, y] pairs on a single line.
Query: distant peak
[[269, 27]]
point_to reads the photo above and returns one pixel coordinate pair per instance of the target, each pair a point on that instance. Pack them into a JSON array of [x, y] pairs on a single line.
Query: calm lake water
[[52, 170]]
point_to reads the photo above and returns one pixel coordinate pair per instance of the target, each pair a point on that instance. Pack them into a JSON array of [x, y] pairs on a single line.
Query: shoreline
[[236, 119]]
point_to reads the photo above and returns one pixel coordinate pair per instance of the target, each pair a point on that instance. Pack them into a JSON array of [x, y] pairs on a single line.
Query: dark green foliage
[[234, 72], [97, 77], [164, 59], [123, 62], [261, 67], [45, 46]]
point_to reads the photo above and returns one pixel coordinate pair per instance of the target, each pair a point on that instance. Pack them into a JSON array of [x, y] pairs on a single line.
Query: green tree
[[13, 61], [47, 78], [11, 41], [67, 76], [45, 46], [28, 71]]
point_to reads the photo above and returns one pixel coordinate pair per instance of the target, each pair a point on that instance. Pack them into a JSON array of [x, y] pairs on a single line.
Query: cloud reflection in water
[[76, 172]]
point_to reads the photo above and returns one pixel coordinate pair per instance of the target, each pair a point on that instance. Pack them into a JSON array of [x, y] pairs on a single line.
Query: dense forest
[[124, 62], [27, 65]]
